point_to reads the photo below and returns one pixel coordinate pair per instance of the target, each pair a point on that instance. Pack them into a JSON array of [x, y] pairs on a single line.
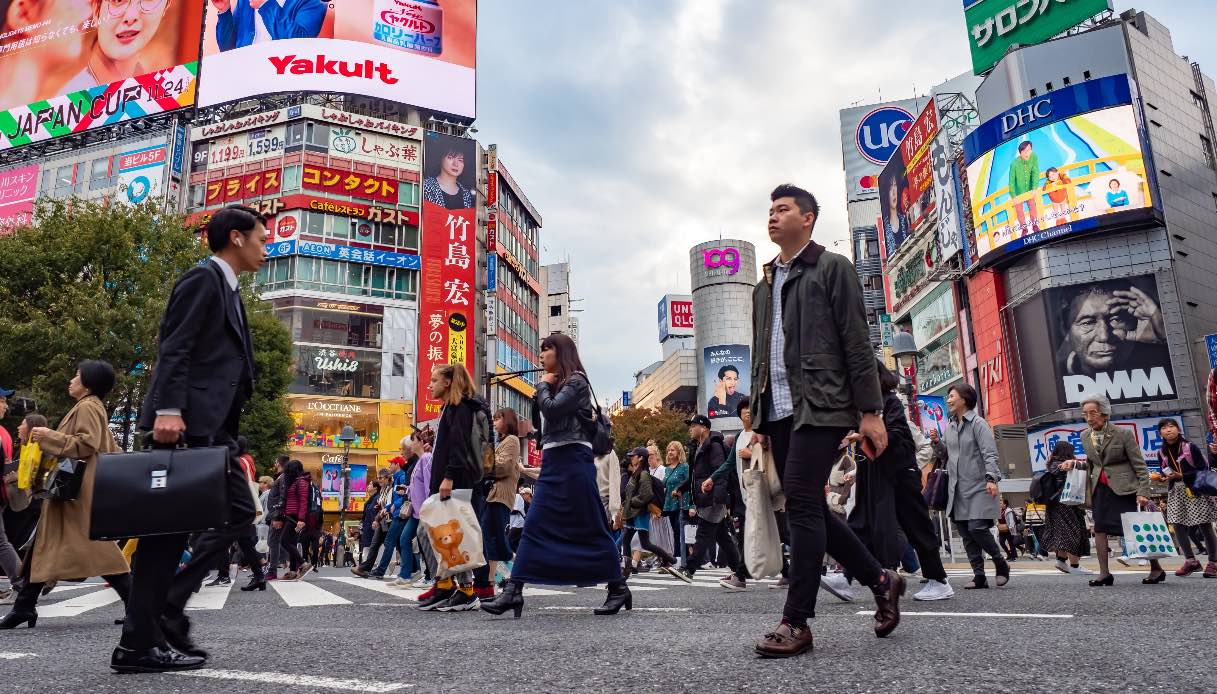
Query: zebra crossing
[[332, 589]]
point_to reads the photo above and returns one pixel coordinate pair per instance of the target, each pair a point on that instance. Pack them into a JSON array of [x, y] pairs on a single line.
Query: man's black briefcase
[[160, 491]]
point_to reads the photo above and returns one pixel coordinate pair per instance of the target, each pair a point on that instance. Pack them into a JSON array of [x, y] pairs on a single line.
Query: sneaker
[[360, 571], [1077, 570], [1062, 566], [837, 586], [305, 568], [1142, 562], [1123, 559], [389, 579], [782, 582], [434, 598], [484, 593], [733, 582], [224, 581], [420, 584], [459, 601], [291, 576], [1210, 570], [935, 590], [677, 573], [1189, 567], [398, 582], [375, 576]]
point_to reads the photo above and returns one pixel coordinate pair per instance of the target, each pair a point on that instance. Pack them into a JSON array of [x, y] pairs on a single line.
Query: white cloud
[[642, 129]]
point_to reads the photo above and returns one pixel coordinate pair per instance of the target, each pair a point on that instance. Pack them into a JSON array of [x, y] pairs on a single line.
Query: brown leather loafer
[[785, 642], [887, 602]]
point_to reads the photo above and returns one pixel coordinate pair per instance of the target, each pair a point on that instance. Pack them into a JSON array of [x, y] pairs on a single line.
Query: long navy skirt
[[566, 540]]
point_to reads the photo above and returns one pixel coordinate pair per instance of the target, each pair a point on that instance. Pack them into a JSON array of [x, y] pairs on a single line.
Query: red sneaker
[[1189, 567], [1210, 570]]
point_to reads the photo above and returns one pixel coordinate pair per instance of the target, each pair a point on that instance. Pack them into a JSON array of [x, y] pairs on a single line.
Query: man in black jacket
[[203, 375], [814, 380], [711, 504]]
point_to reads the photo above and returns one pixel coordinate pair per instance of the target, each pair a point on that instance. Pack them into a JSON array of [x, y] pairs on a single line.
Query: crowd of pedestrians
[[858, 495]]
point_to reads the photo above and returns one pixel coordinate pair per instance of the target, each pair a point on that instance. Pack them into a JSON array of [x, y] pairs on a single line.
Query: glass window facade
[[337, 276], [345, 372]]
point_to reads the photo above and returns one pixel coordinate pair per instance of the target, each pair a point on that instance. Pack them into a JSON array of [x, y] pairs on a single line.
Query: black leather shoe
[[14, 619], [618, 596], [254, 584], [126, 660], [177, 633]]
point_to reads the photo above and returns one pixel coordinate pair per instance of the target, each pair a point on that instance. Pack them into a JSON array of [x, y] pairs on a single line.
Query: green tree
[[266, 422], [634, 426], [87, 281]]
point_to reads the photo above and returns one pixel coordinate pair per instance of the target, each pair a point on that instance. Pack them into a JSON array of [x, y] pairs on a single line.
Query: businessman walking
[[203, 375]]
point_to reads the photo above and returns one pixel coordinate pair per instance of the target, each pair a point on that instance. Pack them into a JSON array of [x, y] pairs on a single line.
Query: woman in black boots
[[566, 539]]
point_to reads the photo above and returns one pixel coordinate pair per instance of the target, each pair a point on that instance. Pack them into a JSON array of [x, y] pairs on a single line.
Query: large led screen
[[67, 66], [419, 52], [1060, 165]]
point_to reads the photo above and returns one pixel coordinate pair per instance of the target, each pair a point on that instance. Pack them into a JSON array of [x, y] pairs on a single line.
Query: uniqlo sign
[[675, 316]]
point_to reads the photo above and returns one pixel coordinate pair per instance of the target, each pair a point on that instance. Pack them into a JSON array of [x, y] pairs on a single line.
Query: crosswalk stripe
[[298, 681], [77, 586], [209, 598], [378, 586], [670, 582], [303, 594], [530, 592], [79, 604]]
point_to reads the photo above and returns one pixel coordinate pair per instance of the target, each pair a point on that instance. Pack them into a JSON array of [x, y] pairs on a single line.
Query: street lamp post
[[904, 349], [347, 437]]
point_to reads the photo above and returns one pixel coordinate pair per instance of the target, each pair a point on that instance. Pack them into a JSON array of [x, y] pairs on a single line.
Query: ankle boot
[[15, 619], [618, 596], [512, 598]]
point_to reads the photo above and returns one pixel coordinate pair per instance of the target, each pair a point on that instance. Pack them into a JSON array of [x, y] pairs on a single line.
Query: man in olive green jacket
[[814, 383]]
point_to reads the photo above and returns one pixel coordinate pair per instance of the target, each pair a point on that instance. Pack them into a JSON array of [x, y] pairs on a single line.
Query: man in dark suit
[[203, 376]]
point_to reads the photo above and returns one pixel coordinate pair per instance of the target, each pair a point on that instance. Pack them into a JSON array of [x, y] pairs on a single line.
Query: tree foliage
[[91, 281], [266, 422], [87, 281], [634, 426]]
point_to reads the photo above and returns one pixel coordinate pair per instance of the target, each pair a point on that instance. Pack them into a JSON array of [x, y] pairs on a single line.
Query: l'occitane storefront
[[379, 427]]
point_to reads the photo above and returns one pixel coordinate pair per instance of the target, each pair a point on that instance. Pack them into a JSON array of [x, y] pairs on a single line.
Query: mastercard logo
[[868, 182]]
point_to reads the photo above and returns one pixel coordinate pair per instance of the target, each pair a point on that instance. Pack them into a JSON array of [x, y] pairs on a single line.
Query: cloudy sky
[[640, 128]]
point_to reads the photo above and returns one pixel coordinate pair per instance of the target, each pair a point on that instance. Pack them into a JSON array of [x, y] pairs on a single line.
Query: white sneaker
[[421, 584], [1123, 560], [935, 590], [1080, 571], [1142, 562], [399, 582], [838, 587], [389, 578], [1062, 566]]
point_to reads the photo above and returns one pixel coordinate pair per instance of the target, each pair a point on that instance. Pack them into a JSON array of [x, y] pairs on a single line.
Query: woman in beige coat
[[62, 549]]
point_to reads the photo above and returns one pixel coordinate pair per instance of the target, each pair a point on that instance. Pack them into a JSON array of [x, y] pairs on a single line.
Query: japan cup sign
[[880, 131]]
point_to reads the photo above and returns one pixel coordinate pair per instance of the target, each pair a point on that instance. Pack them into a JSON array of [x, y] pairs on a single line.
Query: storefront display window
[[319, 421], [344, 372]]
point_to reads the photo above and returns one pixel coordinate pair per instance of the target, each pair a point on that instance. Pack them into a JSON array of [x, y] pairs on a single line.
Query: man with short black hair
[[204, 374], [711, 504], [814, 382]]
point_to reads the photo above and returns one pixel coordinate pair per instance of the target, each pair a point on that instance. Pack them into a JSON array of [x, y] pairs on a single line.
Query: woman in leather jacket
[[566, 538]]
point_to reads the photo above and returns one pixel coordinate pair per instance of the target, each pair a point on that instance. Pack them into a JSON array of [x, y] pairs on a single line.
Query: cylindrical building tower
[[723, 273]]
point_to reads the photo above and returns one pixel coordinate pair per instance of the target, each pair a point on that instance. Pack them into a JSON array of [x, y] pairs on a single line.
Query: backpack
[[481, 440]]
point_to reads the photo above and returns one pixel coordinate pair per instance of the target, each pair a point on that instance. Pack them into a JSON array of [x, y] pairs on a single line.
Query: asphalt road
[[1044, 631]]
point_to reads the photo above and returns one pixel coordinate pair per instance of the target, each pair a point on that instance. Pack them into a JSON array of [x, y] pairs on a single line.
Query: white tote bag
[[454, 532], [661, 534], [1146, 535], [762, 460], [762, 544], [1074, 491]]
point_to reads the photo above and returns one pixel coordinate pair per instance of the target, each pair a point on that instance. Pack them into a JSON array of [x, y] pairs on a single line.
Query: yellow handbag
[[30, 465]]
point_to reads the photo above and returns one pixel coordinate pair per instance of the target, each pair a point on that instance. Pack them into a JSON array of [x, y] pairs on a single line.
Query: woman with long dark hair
[[1064, 532], [566, 539], [62, 548], [291, 519], [496, 515]]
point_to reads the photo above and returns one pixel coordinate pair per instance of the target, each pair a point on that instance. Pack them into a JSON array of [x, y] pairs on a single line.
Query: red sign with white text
[[448, 280], [356, 185]]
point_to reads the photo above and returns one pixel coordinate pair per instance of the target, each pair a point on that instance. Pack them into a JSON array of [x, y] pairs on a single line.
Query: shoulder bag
[[1205, 482], [599, 429], [63, 481]]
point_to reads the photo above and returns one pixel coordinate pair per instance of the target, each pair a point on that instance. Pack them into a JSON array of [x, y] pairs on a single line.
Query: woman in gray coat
[[973, 473]]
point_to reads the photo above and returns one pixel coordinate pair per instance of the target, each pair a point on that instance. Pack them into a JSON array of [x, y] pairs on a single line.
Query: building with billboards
[[514, 288], [723, 273], [671, 382], [1090, 197]]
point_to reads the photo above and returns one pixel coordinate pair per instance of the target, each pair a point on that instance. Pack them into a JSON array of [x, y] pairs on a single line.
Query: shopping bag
[[29, 466], [263, 533], [762, 459], [661, 534], [456, 537], [762, 545], [1073, 493], [1146, 535]]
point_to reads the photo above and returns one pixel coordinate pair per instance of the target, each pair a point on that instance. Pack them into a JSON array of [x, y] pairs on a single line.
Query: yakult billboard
[[420, 52]]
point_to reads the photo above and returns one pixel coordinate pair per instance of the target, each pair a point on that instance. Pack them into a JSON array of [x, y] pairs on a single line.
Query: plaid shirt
[[781, 404]]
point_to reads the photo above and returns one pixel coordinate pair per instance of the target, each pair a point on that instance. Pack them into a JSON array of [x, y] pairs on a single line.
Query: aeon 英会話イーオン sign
[[728, 258]]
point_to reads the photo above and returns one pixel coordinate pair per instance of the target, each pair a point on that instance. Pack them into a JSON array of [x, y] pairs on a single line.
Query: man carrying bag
[[203, 376]]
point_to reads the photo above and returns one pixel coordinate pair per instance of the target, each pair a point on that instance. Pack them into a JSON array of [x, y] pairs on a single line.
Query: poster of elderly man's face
[[1109, 338]]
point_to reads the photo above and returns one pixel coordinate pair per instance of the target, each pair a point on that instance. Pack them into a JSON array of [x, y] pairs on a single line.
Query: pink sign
[[17, 187]]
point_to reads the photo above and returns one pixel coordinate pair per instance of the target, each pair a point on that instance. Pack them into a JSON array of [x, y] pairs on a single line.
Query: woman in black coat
[[889, 495], [566, 538]]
